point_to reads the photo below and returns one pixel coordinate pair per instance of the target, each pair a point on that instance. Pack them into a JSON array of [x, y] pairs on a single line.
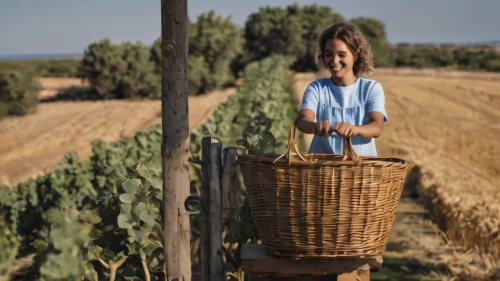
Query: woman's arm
[[305, 123], [374, 127]]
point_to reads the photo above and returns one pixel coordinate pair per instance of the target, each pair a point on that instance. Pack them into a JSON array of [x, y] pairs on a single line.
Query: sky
[[69, 26]]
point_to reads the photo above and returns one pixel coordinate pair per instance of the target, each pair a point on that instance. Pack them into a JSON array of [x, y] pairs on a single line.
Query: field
[[438, 119], [35, 144], [447, 127], [443, 123]]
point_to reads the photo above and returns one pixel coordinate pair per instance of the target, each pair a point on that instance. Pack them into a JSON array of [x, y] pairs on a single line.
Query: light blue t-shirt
[[344, 104]]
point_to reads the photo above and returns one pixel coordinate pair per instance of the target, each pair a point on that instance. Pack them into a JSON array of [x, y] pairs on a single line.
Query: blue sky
[[68, 26]]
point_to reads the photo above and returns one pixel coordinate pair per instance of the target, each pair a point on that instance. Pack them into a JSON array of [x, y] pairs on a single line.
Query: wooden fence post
[[175, 139], [229, 180], [211, 212]]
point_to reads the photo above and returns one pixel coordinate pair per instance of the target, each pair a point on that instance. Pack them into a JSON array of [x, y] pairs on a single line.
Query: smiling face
[[339, 60]]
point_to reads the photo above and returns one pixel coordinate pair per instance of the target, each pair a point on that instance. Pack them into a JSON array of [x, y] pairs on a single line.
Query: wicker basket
[[323, 205]]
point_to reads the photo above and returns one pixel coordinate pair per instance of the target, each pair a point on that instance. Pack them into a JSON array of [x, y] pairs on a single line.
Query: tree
[[214, 44], [272, 31], [292, 31], [120, 71], [314, 19], [374, 31]]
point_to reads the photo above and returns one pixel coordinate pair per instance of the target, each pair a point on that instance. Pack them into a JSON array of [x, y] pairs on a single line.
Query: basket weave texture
[[323, 205]]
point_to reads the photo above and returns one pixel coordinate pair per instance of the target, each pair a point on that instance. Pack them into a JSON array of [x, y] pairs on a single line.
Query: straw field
[[34, 144], [448, 128]]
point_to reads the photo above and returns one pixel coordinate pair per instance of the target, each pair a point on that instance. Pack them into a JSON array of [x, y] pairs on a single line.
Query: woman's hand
[[323, 129], [346, 130]]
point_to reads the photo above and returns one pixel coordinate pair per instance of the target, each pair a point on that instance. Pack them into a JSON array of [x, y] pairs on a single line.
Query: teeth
[[337, 67]]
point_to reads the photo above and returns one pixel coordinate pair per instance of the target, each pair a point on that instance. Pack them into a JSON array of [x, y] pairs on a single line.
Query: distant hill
[[21, 57]]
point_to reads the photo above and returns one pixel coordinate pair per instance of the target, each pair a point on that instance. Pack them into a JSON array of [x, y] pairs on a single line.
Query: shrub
[[18, 92], [215, 43], [120, 71]]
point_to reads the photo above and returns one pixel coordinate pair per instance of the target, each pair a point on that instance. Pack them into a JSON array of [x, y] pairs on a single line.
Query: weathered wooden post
[[211, 213], [229, 180], [175, 143]]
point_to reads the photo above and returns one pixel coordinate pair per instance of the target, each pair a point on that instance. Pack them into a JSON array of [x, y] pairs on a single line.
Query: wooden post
[[211, 214], [175, 139], [229, 182]]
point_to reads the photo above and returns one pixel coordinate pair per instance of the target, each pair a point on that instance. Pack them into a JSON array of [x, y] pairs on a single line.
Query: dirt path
[[34, 144]]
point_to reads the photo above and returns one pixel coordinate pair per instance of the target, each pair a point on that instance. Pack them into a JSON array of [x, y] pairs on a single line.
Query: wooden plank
[[175, 139], [212, 262], [229, 182], [255, 261]]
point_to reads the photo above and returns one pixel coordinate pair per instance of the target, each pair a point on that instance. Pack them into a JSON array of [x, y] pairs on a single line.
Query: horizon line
[[74, 54]]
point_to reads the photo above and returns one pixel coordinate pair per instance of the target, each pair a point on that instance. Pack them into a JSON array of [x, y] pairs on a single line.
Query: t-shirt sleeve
[[376, 100], [310, 99]]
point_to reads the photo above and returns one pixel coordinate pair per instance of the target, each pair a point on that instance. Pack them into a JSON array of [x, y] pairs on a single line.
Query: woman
[[351, 106]]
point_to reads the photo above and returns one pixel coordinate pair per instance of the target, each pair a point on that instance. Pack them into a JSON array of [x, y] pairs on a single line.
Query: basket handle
[[349, 152]]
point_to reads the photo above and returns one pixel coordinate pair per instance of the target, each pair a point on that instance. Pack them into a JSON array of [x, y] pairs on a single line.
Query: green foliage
[[4, 109], [456, 58], [18, 92], [314, 19], [120, 71], [290, 31], [9, 244], [106, 210], [218, 41], [257, 142], [260, 110], [214, 45], [374, 32], [46, 68], [261, 100], [62, 254]]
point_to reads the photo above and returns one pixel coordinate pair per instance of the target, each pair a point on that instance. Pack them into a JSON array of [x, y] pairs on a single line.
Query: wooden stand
[[255, 261]]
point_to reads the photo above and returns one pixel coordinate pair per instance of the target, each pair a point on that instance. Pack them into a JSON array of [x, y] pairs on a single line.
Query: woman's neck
[[344, 81]]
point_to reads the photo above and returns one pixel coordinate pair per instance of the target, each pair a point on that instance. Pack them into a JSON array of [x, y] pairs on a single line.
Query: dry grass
[[441, 72], [416, 240], [449, 127], [34, 144]]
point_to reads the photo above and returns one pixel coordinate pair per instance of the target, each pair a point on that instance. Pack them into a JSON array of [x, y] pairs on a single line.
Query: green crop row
[[99, 219]]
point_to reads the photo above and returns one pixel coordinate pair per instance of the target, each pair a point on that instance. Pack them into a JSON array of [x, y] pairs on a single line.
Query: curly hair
[[355, 41]]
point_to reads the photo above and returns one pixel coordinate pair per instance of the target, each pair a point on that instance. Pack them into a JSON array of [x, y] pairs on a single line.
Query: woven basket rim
[[313, 159], [292, 156]]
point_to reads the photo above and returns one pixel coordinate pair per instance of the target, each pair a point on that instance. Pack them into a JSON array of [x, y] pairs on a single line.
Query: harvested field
[[441, 72], [34, 144]]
